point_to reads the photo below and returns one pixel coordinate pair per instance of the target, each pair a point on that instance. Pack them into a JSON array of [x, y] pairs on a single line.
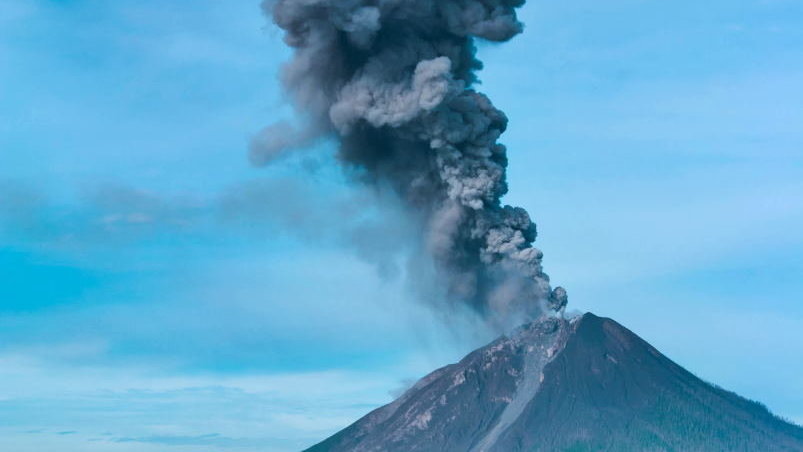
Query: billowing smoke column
[[392, 80]]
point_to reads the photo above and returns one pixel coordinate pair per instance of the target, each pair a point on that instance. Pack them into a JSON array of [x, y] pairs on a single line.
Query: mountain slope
[[586, 384]]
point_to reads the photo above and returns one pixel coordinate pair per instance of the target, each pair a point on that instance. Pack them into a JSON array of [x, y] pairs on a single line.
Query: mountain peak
[[587, 383]]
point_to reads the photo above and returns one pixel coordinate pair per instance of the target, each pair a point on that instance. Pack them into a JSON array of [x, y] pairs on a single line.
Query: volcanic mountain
[[586, 384]]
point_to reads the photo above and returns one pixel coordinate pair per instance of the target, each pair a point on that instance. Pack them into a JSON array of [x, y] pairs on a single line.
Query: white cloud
[[111, 407]]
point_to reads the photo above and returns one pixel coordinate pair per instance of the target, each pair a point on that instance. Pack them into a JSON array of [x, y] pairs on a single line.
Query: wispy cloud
[[209, 439], [256, 412]]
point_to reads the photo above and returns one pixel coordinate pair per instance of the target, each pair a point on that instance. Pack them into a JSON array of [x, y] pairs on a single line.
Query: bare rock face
[[585, 384]]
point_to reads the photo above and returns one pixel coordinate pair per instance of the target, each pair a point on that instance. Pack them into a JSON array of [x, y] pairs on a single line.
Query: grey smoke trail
[[392, 80]]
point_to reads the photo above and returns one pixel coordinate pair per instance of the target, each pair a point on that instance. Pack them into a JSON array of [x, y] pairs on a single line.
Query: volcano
[[586, 384]]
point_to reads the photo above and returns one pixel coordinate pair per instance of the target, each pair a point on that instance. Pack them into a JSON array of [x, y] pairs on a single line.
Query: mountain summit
[[585, 384]]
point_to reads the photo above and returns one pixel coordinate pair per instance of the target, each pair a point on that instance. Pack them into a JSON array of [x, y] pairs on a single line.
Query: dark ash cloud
[[393, 82]]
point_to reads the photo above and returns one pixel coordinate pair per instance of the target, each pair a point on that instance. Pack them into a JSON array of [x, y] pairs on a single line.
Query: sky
[[158, 293]]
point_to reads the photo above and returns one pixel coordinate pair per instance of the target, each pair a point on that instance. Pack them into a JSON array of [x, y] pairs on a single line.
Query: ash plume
[[393, 82]]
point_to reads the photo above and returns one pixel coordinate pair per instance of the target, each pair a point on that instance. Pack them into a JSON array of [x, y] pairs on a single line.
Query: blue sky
[[159, 294]]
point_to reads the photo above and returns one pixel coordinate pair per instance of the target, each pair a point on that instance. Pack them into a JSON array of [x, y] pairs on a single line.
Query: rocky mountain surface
[[586, 384]]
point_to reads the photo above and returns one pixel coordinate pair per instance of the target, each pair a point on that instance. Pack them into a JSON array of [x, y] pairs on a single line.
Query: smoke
[[393, 81]]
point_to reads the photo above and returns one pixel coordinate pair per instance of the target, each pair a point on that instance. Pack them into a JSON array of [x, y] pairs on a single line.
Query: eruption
[[393, 80]]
